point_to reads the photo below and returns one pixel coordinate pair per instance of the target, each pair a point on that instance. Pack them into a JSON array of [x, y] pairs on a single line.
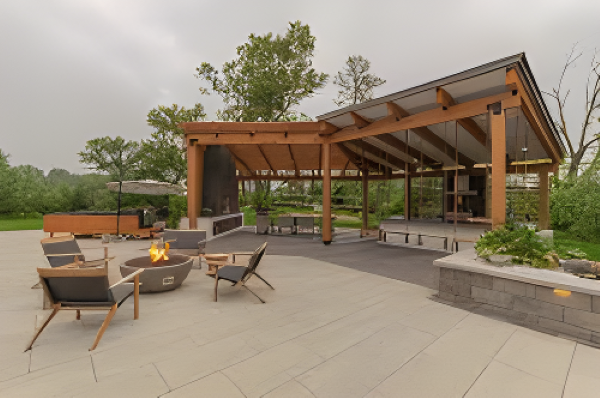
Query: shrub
[[520, 242], [177, 209]]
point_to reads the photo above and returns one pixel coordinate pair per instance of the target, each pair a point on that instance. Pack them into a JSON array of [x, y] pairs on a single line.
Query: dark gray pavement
[[406, 264]]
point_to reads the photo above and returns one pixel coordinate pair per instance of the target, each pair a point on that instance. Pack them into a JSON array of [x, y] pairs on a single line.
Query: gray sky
[[74, 70]]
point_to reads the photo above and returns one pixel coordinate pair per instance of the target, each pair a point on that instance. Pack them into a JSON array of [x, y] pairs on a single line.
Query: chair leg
[[54, 312], [261, 278], [78, 315], [255, 295], [216, 285], [105, 324], [136, 297]]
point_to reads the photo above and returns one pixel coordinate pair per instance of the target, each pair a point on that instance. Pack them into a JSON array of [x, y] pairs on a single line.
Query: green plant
[[520, 242], [177, 209]]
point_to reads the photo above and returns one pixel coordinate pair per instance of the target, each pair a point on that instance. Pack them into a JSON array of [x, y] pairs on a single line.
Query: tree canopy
[[270, 76], [117, 157], [164, 157], [356, 84]]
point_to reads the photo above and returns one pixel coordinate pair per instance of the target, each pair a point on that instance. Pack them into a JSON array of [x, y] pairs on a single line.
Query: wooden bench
[[420, 241], [455, 241], [383, 235]]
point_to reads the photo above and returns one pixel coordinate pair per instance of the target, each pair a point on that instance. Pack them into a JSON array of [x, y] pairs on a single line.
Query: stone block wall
[[531, 305]]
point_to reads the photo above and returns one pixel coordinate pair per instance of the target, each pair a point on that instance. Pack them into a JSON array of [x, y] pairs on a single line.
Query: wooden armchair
[[64, 250], [86, 289], [239, 275]]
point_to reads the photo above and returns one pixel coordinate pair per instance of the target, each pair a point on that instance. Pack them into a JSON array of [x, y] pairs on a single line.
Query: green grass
[[566, 242], [21, 224]]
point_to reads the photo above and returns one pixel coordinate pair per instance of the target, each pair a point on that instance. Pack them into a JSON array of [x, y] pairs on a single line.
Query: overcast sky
[[75, 70]]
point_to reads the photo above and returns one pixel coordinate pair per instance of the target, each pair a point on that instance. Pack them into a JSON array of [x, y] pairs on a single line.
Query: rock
[[581, 267], [500, 258]]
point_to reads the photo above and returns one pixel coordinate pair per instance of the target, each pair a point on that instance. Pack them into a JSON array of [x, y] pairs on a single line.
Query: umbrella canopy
[[146, 187]]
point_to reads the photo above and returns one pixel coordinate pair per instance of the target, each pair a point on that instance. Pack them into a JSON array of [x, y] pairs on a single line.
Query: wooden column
[[498, 133], [407, 186], [195, 181], [365, 201], [326, 165], [544, 207]]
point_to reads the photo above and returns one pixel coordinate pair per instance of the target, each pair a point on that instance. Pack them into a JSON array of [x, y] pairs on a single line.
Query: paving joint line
[[414, 356], [93, 368], [569, 370], [488, 364], [162, 377]]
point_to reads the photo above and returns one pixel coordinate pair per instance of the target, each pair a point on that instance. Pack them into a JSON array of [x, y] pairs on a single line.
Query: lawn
[[566, 242], [21, 224]]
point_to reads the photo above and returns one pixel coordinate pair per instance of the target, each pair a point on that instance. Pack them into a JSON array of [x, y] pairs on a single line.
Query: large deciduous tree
[[270, 76], [164, 154], [355, 81], [117, 157], [589, 135]]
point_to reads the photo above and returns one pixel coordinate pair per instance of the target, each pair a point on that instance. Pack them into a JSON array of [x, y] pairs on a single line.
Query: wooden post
[[326, 164], [498, 133], [544, 206], [365, 200], [407, 185], [195, 180], [136, 296]]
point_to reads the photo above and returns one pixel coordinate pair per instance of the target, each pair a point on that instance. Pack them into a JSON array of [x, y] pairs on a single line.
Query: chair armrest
[[128, 277]]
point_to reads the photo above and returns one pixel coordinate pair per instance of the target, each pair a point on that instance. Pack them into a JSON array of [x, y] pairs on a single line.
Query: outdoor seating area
[[327, 330]]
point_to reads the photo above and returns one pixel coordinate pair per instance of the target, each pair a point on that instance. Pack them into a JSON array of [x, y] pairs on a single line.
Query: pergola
[[488, 121]]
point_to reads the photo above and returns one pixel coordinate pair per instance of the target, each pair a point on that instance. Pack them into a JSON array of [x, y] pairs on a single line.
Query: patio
[[325, 331]]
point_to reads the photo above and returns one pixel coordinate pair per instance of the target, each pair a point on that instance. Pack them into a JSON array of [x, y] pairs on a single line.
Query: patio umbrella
[[146, 187]]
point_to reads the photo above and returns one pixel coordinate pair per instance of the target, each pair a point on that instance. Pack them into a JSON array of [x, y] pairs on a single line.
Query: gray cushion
[[121, 292], [232, 273], [184, 239], [80, 289]]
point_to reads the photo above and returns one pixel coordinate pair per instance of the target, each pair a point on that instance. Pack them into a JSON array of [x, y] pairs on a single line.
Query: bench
[[464, 240], [383, 235], [420, 241]]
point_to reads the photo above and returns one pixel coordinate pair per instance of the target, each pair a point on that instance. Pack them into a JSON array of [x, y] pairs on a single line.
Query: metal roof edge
[[466, 74]]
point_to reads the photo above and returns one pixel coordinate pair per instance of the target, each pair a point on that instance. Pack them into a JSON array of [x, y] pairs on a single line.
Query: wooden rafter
[[527, 105], [446, 101], [393, 150], [239, 160], [402, 146], [266, 159], [356, 158], [327, 128], [359, 121], [422, 119], [427, 135], [296, 170], [371, 153]]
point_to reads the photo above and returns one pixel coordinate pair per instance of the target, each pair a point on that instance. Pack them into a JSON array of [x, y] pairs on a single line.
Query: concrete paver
[[326, 331]]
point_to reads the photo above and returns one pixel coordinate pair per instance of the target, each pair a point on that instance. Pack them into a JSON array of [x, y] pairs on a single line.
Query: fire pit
[[161, 275]]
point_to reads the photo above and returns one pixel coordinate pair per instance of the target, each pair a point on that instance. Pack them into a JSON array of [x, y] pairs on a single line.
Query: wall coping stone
[[467, 260]]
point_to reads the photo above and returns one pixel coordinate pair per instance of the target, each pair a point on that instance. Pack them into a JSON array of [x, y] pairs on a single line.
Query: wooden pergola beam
[[425, 118], [446, 101], [372, 154], [359, 121], [356, 158], [249, 138], [296, 169], [427, 135], [391, 149], [266, 159], [544, 136]]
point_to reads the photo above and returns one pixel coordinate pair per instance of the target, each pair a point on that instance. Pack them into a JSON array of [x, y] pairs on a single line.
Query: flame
[[157, 254]]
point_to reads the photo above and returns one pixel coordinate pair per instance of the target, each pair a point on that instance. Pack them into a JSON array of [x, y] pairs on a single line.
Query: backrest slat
[[255, 260]]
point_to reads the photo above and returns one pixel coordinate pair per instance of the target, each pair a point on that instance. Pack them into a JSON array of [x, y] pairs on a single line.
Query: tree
[[271, 75], [592, 105], [356, 84], [165, 153], [117, 157], [7, 195]]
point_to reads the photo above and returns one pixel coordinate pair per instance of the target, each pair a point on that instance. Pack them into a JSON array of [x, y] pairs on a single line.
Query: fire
[[157, 254]]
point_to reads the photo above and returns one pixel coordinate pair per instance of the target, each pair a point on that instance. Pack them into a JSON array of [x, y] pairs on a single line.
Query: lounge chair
[[239, 275], [86, 289], [64, 250], [190, 242]]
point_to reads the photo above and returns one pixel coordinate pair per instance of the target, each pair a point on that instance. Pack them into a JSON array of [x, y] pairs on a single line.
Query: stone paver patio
[[327, 331]]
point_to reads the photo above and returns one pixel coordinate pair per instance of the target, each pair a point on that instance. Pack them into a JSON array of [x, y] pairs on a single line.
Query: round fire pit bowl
[[159, 276]]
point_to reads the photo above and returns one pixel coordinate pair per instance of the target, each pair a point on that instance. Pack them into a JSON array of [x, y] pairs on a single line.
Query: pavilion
[[470, 130]]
